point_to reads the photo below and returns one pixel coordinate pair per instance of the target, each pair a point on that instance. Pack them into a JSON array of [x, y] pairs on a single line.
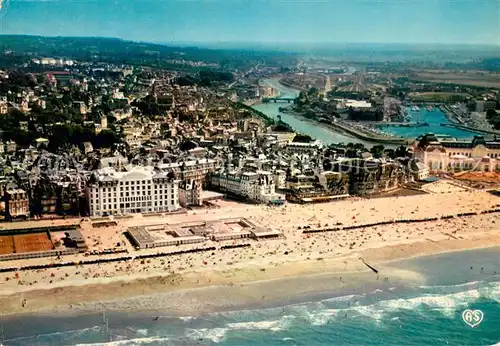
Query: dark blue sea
[[429, 314]]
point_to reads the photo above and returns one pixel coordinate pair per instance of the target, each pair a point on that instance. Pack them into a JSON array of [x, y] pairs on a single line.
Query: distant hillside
[[128, 52]]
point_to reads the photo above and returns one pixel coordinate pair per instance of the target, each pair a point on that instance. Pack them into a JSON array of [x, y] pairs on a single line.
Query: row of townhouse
[[257, 186]]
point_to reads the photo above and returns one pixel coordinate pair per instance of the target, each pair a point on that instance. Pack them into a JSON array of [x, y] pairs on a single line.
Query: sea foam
[[274, 326], [447, 287], [213, 334], [131, 342], [186, 318], [445, 304]]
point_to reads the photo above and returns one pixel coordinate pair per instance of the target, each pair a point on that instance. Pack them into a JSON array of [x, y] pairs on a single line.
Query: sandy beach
[[266, 270]]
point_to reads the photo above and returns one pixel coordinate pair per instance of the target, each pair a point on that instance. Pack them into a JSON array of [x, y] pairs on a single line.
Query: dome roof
[[478, 140]]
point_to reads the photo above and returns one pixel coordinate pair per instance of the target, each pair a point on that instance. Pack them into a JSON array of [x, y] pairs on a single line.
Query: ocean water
[[428, 314]]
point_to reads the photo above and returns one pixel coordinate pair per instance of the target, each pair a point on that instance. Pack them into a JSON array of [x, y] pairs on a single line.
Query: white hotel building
[[195, 170], [257, 186], [139, 190]]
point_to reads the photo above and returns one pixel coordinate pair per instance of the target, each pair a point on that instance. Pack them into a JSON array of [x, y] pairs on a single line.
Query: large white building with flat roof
[[139, 190]]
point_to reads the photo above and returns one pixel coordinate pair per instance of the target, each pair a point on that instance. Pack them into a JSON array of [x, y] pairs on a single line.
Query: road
[[358, 84]]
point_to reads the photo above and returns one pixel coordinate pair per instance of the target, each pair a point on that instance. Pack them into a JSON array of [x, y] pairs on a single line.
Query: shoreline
[[472, 129], [359, 135], [238, 277], [226, 290]]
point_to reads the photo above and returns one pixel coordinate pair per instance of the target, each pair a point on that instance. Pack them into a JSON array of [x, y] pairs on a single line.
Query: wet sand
[[203, 291], [267, 270]]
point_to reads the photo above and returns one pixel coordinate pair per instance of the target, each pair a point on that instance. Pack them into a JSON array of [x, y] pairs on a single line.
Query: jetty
[[373, 269], [473, 129], [336, 126], [403, 124]]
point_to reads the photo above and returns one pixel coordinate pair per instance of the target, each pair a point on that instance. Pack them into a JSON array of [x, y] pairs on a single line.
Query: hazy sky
[[412, 21]]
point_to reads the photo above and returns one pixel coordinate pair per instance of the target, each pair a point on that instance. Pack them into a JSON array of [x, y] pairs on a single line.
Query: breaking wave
[[131, 342], [380, 309]]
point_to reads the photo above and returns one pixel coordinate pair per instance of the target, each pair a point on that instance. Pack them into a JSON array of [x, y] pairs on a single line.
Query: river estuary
[[300, 124], [327, 136]]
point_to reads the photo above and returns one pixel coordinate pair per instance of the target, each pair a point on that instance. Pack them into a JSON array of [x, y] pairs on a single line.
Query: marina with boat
[[416, 119]]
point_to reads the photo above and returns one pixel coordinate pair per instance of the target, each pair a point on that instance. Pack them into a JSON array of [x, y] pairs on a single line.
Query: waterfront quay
[[368, 133], [393, 123], [456, 116], [362, 132], [328, 133]]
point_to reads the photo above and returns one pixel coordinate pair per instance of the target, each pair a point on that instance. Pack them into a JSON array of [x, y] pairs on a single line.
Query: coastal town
[[191, 175]]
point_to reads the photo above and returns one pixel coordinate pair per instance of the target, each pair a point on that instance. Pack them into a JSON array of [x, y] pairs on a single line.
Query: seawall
[[473, 129], [363, 136]]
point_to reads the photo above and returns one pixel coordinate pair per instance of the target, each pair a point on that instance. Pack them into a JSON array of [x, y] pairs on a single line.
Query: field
[[436, 96], [488, 80]]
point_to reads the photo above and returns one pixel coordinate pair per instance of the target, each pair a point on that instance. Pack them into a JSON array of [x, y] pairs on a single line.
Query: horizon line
[[264, 43]]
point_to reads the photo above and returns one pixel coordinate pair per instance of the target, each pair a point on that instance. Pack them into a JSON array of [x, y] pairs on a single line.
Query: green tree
[[377, 151], [60, 138], [491, 114], [282, 127], [359, 146], [351, 153], [402, 151], [390, 153], [302, 138], [301, 99], [313, 92], [105, 139]]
